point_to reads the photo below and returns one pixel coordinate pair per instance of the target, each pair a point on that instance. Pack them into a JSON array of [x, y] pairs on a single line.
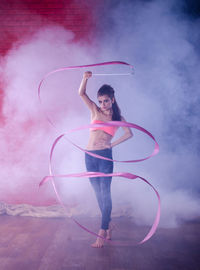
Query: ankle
[[102, 232]]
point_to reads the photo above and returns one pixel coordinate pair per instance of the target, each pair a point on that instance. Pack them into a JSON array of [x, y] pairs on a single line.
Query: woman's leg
[[97, 189], [92, 166], [106, 166], [101, 187], [105, 183]]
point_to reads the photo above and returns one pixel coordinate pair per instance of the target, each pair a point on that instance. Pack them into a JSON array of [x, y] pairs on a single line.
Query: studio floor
[[28, 243]]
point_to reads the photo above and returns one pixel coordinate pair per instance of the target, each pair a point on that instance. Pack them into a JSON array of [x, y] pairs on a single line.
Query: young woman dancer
[[100, 143]]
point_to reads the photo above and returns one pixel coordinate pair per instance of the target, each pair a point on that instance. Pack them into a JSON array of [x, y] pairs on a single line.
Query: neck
[[107, 112]]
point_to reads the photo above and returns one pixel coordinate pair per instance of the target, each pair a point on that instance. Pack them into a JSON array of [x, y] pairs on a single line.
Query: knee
[[106, 196], [105, 185], [95, 184]]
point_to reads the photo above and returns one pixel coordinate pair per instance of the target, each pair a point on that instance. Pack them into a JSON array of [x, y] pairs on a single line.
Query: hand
[[87, 74], [109, 145]]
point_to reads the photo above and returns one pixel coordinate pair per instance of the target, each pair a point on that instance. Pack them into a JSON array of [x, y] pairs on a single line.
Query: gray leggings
[[101, 185]]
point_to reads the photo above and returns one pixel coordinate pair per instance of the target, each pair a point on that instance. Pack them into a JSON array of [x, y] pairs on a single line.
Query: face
[[105, 102]]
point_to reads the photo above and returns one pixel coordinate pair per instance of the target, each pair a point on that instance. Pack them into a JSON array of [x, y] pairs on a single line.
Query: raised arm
[[127, 135], [82, 91]]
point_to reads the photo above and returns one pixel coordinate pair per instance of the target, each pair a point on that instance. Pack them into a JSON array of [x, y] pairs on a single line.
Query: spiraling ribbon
[[127, 175]]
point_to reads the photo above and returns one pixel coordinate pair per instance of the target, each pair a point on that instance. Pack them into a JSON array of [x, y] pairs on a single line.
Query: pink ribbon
[[83, 66], [98, 174]]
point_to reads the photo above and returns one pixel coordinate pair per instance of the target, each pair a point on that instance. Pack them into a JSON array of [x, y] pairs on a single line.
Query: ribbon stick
[[127, 175], [110, 74], [80, 67]]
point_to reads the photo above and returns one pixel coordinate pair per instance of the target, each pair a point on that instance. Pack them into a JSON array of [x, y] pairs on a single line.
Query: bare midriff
[[99, 140]]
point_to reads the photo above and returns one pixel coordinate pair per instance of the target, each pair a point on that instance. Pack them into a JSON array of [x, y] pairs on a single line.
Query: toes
[[97, 244]]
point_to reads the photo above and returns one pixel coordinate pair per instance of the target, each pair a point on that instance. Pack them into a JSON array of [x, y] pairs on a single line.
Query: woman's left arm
[[127, 135]]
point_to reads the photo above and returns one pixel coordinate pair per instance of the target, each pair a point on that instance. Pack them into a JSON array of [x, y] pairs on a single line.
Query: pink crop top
[[108, 129]]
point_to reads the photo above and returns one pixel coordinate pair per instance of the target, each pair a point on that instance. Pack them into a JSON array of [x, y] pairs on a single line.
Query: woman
[[100, 143]]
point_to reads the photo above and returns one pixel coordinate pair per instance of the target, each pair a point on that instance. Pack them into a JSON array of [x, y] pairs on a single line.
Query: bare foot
[[99, 241], [108, 234], [109, 231]]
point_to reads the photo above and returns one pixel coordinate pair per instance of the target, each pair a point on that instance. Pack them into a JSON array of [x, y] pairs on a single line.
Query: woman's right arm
[[82, 91]]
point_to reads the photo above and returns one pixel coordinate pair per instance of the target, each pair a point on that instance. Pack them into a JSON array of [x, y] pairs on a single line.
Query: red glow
[[22, 18], [19, 21]]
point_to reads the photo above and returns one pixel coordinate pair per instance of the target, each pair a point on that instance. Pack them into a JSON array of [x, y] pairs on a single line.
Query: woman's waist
[[103, 150], [106, 152], [97, 143], [98, 146]]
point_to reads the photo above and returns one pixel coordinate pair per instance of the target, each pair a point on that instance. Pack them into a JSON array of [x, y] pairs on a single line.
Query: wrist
[[85, 78]]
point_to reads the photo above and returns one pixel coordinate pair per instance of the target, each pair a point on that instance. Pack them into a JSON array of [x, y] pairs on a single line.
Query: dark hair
[[109, 91]]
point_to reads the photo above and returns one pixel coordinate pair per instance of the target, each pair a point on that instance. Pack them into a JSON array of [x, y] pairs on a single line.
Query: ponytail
[[116, 116]]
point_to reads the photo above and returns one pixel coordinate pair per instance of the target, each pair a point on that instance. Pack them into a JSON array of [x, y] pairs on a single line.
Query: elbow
[[82, 91], [130, 135], [81, 94]]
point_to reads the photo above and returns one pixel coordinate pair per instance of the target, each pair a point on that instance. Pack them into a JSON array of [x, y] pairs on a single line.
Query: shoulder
[[90, 103]]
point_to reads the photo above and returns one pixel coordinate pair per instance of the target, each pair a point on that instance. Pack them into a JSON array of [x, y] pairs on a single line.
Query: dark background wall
[[22, 18]]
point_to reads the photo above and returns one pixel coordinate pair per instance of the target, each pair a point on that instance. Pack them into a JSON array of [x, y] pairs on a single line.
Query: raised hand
[[87, 74]]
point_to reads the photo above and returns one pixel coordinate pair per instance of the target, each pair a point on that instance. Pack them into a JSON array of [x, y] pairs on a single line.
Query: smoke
[[26, 136], [161, 42], [162, 96]]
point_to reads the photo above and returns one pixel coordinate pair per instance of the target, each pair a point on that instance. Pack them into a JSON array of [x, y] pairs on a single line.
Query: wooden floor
[[56, 244]]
